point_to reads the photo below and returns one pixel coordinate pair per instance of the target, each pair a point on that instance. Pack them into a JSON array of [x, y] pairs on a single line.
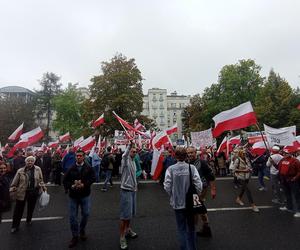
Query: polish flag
[[126, 124], [239, 117], [65, 137], [17, 133], [161, 139], [258, 148], [222, 146], [152, 135], [53, 144], [295, 147], [172, 129], [78, 141], [23, 143], [99, 142], [87, 144], [157, 164], [98, 122], [138, 125], [33, 136]]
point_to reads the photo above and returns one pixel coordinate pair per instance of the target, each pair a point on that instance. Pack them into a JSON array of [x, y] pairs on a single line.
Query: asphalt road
[[233, 227]]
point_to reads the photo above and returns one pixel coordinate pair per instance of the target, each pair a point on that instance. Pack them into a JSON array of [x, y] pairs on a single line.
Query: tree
[[14, 111], [276, 103], [68, 107], [237, 84], [50, 88], [119, 89]]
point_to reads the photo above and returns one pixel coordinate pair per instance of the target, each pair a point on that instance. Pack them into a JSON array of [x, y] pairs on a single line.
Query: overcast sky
[[178, 45]]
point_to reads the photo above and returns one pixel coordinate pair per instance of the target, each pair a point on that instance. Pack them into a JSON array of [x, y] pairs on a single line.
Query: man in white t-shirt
[[272, 163]]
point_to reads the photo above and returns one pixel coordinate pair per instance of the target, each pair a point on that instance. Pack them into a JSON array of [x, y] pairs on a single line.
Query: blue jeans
[[261, 173], [186, 229], [108, 173], [97, 172], [85, 205]]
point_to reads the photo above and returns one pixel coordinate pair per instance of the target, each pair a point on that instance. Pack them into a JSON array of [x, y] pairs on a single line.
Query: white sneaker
[[297, 215], [255, 209], [283, 209], [262, 189], [123, 243]]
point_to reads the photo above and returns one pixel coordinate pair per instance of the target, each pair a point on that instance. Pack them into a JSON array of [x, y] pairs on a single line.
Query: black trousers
[[30, 198]]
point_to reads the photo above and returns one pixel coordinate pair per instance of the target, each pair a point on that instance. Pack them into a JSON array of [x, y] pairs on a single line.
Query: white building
[[165, 110]]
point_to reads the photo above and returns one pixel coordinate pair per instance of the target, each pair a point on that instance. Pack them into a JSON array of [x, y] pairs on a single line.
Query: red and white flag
[[33, 136], [87, 143], [17, 133], [23, 143], [222, 146], [98, 122], [161, 139], [53, 144], [77, 142], [157, 164], [239, 117], [65, 137], [172, 129], [138, 125], [258, 148], [99, 142], [127, 125]]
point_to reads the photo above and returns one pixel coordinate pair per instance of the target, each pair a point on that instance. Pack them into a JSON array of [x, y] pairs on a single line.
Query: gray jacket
[[128, 169], [177, 182]]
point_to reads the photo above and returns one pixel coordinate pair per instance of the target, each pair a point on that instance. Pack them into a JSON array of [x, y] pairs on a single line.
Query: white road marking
[[235, 208], [37, 219]]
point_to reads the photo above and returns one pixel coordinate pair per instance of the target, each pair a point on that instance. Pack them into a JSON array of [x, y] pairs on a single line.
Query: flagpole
[[262, 136]]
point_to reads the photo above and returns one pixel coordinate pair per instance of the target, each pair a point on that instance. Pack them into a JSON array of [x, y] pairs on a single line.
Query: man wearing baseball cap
[[272, 163]]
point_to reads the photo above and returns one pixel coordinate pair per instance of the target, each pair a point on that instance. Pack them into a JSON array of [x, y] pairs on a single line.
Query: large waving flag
[[23, 143], [65, 137], [126, 124], [78, 141], [161, 139], [53, 144], [17, 133], [98, 122], [33, 136], [157, 164], [87, 144], [239, 117], [258, 148], [138, 125], [172, 130]]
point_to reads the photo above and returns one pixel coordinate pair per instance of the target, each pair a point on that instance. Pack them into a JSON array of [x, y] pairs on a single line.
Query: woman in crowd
[[242, 170], [4, 189], [27, 185]]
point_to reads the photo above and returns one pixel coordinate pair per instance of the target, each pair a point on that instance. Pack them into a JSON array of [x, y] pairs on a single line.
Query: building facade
[[164, 109]]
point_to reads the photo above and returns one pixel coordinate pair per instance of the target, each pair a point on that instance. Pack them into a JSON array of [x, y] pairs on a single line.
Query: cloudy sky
[[178, 45]]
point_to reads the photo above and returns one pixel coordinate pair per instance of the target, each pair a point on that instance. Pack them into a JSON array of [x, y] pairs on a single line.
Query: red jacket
[[289, 168]]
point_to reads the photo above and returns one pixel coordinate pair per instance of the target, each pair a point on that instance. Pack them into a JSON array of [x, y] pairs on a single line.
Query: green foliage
[[119, 89], [273, 99], [68, 107], [237, 83], [13, 111], [50, 88]]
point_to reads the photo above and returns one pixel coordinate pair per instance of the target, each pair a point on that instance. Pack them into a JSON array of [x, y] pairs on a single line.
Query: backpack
[[105, 162]]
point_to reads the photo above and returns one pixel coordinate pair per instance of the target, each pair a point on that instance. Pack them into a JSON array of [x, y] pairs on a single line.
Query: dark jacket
[[87, 177], [4, 193], [205, 172], [18, 163]]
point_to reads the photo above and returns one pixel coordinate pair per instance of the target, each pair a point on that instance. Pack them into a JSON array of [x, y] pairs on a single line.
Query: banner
[[280, 136], [202, 138]]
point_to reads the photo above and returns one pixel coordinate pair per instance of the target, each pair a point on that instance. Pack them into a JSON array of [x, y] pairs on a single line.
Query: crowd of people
[[24, 177]]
